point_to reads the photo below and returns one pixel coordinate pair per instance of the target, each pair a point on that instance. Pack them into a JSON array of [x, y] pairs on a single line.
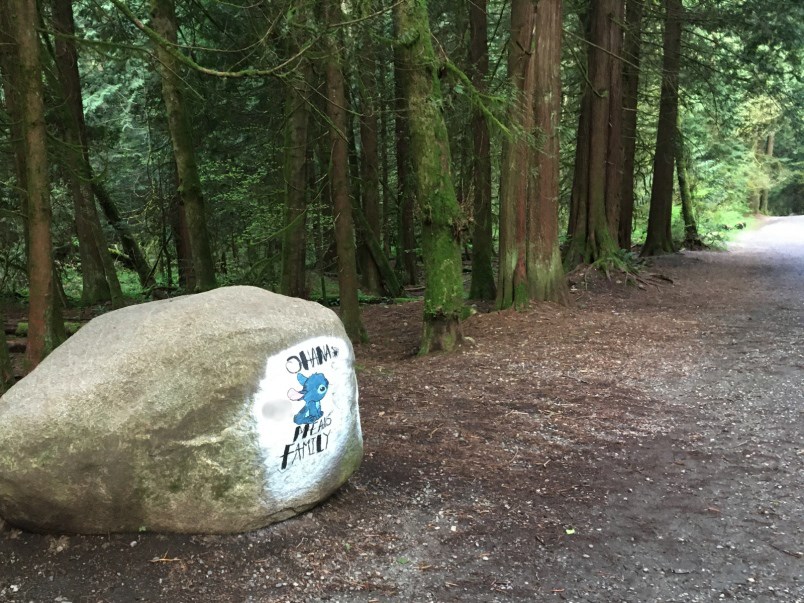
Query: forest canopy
[[353, 151]]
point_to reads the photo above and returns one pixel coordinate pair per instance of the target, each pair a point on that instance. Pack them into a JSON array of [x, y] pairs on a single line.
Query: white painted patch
[[300, 449]]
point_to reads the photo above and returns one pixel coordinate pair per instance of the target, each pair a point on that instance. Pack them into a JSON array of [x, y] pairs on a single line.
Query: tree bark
[[10, 75], [163, 20], [591, 236], [294, 233], [6, 371], [100, 282], [691, 238], [614, 155], [659, 238], [546, 281], [405, 194], [631, 53], [435, 194], [482, 285], [339, 179], [44, 332], [512, 284], [123, 230], [369, 157]]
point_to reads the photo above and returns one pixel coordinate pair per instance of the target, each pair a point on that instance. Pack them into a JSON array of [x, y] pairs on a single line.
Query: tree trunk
[[482, 286], [546, 280], [339, 180], [435, 195], [294, 234], [405, 198], [691, 238], [163, 19], [44, 333], [130, 246], [181, 237], [614, 155], [10, 75], [512, 275], [591, 237], [369, 157], [390, 283], [659, 238], [6, 371], [633, 45], [100, 282]]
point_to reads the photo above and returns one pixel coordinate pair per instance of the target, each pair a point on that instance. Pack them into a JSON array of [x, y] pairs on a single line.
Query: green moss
[[71, 328]]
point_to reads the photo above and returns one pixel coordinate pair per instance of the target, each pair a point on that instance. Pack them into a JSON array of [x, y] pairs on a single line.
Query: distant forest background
[[350, 151]]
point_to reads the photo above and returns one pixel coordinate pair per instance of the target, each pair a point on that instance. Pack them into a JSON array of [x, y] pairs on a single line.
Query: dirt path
[[645, 445], [715, 508]]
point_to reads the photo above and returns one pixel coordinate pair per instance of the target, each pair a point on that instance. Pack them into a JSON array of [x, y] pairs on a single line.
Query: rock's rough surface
[[217, 412]]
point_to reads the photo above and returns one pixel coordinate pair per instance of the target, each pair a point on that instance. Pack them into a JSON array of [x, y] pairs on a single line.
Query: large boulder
[[218, 412]]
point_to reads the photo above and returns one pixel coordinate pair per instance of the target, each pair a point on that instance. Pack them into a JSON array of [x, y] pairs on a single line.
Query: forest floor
[[646, 444]]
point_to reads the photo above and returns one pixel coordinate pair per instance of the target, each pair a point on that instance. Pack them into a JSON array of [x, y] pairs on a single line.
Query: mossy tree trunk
[[632, 52], [546, 281], [45, 330], [482, 285], [163, 21], [406, 256], [591, 236], [659, 238], [99, 277], [294, 234], [438, 206], [339, 176], [369, 152], [692, 239]]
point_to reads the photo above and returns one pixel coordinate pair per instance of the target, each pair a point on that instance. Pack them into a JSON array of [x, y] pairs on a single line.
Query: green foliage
[[621, 260], [70, 328]]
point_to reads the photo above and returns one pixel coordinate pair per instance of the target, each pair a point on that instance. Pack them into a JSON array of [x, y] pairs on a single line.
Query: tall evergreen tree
[[406, 255], [45, 330], [482, 285], [546, 281], [367, 89], [591, 236], [100, 282], [632, 52], [659, 238], [691, 238], [530, 260], [294, 231], [339, 175], [438, 205], [163, 15], [512, 275]]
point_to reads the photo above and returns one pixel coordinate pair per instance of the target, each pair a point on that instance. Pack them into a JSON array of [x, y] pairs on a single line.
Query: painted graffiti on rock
[[306, 359], [308, 440], [313, 390], [304, 412], [305, 415]]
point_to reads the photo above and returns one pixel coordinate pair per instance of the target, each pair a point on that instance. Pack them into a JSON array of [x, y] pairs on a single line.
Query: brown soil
[[644, 445]]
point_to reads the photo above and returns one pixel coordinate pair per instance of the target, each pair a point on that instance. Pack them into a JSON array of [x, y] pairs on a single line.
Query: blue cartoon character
[[313, 390]]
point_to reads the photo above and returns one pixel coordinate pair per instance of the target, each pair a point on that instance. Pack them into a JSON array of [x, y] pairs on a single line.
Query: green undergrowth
[[71, 328], [621, 260]]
